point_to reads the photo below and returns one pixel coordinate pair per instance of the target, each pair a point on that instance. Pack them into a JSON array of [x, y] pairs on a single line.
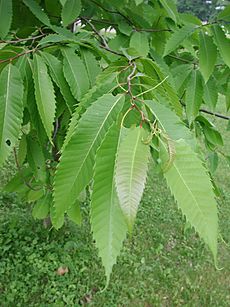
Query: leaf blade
[[192, 189], [44, 93], [107, 221], [75, 171], [6, 13], [131, 172], [11, 109]]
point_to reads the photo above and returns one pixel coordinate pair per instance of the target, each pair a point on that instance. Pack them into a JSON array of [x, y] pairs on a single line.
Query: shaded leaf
[[207, 55], [194, 93], [70, 11], [56, 71], [177, 38], [44, 94], [11, 109], [139, 41], [75, 73], [37, 11], [223, 43], [91, 65], [6, 13], [74, 213]]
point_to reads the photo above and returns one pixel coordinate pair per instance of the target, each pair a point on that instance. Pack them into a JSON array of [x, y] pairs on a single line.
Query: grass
[[161, 265]]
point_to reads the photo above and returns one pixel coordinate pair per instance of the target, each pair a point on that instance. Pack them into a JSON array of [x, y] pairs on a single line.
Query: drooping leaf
[[170, 122], [75, 170], [207, 55], [91, 65], [37, 11], [70, 11], [74, 212], [210, 94], [36, 159], [213, 136], [170, 7], [177, 37], [6, 12], [75, 73], [107, 221], [139, 41], [55, 68], [42, 207], [44, 93], [223, 43], [131, 171], [34, 195], [11, 109], [194, 93], [191, 186]]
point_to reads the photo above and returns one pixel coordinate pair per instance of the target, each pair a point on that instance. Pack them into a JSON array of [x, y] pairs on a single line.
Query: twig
[[17, 56], [102, 40], [129, 78], [215, 114], [19, 40], [112, 12]]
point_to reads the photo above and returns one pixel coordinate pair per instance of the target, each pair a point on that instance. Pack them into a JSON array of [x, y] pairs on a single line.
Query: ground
[[162, 264]]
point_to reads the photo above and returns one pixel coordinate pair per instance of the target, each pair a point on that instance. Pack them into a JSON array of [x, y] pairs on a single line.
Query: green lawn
[[161, 265]]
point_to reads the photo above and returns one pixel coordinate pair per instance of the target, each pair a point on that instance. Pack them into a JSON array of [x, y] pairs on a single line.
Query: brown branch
[[101, 39], [19, 40], [16, 56], [110, 23], [112, 12], [215, 114]]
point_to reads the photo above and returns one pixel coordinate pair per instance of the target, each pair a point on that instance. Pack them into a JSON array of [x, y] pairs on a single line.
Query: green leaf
[[223, 43], [56, 71], [34, 195], [6, 13], [42, 207], [177, 38], [75, 170], [139, 41], [194, 93], [107, 221], [75, 73], [131, 171], [22, 150], [210, 94], [70, 11], [91, 65], [225, 14], [11, 109], [170, 122], [37, 11], [213, 136], [74, 212], [191, 186], [207, 55], [170, 8], [44, 93], [36, 159]]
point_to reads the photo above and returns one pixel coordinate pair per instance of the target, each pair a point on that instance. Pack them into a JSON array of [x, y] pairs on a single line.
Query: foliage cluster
[[96, 92]]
